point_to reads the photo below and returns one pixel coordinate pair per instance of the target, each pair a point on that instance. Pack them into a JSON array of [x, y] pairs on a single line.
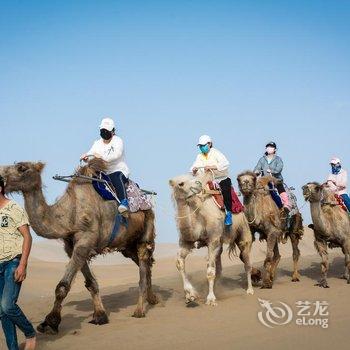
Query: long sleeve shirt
[[275, 165], [338, 182], [213, 158], [112, 153]]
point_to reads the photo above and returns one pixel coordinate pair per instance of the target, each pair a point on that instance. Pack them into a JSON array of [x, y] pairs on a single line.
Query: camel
[[84, 222], [264, 217], [201, 224], [331, 226]]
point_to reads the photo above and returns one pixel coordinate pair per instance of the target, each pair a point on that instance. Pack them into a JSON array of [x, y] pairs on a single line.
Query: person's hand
[[96, 155], [269, 171], [20, 273], [208, 168], [194, 171], [84, 157]]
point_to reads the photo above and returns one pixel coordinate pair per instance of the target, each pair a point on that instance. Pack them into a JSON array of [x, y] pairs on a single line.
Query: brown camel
[[265, 217], [84, 221], [201, 224], [331, 226]]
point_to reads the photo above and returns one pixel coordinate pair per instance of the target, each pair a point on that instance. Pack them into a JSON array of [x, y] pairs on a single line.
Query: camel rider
[[210, 159], [338, 180], [110, 148], [272, 164]]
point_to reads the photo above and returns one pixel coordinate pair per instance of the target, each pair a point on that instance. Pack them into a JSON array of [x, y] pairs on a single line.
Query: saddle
[[138, 200], [218, 199], [341, 203]]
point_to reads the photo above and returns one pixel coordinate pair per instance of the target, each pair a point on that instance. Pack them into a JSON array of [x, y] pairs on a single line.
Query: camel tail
[[232, 249]]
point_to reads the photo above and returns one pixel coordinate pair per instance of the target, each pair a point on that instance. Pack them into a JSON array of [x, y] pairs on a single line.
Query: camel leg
[[218, 264], [190, 293], [145, 261], [245, 257], [214, 249], [99, 317], [275, 261], [296, 255], [267, 275], [321, 247], [346, 251], [53, 319]]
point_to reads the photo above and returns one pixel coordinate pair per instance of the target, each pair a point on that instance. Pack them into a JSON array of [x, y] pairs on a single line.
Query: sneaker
[[228, 218], [123, 206]]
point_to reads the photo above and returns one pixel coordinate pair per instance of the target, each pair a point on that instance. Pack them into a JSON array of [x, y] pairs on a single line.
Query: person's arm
[[21, 271], [258, 168], [118, 148], [222, 162], [342, 180], [197, 163], [90, 152], [278, 166]]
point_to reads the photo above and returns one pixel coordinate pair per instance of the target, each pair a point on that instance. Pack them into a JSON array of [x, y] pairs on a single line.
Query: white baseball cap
[[335, 160], [107, 123], [203, 140]]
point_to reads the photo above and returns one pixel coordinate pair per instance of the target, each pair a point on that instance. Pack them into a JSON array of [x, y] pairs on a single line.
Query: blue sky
[[244, 72]]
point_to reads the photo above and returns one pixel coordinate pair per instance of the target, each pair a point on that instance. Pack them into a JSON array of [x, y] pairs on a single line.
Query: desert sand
[[233, 324]]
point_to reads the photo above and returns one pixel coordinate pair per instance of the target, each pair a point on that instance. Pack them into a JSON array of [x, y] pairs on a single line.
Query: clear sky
[[244, 72]]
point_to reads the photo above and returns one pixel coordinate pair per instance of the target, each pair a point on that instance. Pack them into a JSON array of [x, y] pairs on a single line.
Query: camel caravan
[[104, 211]]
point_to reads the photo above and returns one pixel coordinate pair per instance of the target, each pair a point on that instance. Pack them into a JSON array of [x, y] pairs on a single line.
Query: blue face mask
[[204, 148], [336, 169]]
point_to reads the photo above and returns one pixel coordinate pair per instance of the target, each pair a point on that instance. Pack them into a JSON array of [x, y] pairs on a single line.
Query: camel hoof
[[250, 291], [100, 319], [256, 276], [322, 284], [295, 279], [45, 328], [191, 296], [266, 285], [153, 299], [139, 314], [211, 302]]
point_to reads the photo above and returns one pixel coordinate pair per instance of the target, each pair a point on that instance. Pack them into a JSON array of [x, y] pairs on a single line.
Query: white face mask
[[270, 150]]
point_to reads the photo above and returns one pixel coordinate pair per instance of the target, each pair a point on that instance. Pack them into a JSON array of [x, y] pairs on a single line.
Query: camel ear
[[172, 183], [39, 166]]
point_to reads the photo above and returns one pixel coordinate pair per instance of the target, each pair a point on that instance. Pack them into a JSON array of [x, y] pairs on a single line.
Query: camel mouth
[[306, 193]]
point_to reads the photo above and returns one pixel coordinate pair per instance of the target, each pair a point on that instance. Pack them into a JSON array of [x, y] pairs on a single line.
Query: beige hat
[[335, 160], [203, 140], [107, 123]]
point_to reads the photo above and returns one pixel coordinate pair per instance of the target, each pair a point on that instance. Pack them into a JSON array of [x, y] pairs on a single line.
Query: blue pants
[[10, 313], [119, 181], [346, 200]]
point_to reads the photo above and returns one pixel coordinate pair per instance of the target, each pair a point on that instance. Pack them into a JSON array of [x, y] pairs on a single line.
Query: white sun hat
[[203, 140], [335, 160], [107, 123]]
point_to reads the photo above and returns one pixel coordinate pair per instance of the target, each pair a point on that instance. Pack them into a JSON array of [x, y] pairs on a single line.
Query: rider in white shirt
[[210, 158], [111, 149], [338, 180]]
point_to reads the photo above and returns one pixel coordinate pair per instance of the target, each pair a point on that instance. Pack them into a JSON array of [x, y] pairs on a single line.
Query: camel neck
[[317, 216], [39, 213]]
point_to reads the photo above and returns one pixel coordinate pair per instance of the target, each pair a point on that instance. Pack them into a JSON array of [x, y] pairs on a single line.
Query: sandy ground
[[173, 325]]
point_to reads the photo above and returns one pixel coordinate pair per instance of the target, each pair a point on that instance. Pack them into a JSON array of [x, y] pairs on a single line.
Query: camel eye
[[21, 168], [181, 184]]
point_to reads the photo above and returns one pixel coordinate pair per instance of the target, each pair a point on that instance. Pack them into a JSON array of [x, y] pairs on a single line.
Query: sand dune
[[172, 325]]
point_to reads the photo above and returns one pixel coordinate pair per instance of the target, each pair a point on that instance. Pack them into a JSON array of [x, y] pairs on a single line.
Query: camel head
[[247, 182], [312, 192], [187, 186], [22, 177]]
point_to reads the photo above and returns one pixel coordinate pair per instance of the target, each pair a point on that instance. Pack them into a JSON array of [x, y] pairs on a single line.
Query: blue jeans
[[10, 313], [119, 181], [346, 200]]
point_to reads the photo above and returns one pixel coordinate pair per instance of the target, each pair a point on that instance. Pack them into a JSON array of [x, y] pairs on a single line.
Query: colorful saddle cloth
[[237, 206], [137, 199], [341, 202]]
